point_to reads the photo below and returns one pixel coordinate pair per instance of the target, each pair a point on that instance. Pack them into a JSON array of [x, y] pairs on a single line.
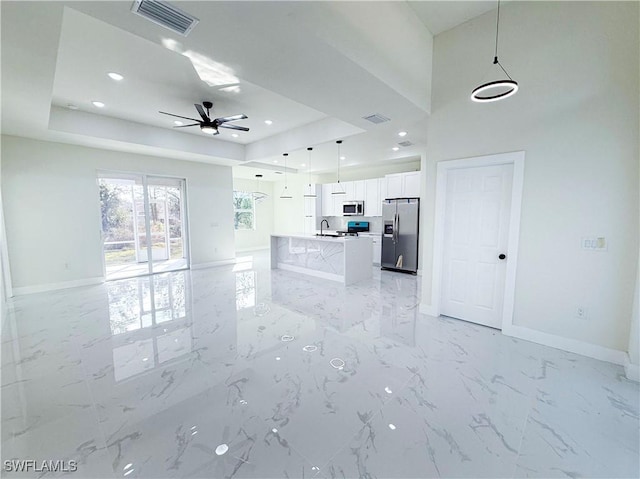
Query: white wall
[[259, 237], [52, 208], [367, 172], [633, 369], [288, 215], [576, 117]]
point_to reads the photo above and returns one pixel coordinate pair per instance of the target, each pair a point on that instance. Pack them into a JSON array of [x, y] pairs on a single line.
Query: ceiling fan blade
[[225, 119], [184, 126], [178, 116], [202, 113], [234, 127]]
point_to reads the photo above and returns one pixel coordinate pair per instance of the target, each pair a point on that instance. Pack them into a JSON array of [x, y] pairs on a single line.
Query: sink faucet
[[322, 223]]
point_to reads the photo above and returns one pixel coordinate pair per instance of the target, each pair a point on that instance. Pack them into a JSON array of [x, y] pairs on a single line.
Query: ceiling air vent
[[376, 118], [166, 15], [405, 143]]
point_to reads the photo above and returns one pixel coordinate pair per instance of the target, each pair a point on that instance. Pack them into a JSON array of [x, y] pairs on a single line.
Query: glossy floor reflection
[[241, 371]]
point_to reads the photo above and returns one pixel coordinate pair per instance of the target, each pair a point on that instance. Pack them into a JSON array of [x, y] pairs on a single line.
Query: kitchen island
[[347, 259]]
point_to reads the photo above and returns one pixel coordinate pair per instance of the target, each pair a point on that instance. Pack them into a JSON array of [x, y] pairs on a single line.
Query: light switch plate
[[594, 243]]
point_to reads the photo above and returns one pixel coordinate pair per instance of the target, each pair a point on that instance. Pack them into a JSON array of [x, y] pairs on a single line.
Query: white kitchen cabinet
[[327, 200], [377, 249], [348, 188], [359, 192], [394, 186], [373, 198], [310, 226], [376, 245], [411, 184], [403, 185]]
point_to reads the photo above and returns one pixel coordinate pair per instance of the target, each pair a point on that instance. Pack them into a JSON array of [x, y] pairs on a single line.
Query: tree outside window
[[244, 209]]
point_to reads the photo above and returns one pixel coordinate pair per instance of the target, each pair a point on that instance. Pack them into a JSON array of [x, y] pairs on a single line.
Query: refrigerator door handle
[[396, 220]]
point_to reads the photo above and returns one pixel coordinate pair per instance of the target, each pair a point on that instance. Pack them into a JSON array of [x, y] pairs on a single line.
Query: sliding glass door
[[143, 224]]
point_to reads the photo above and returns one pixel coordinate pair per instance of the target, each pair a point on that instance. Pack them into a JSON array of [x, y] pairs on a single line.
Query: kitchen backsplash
[[339, 223]]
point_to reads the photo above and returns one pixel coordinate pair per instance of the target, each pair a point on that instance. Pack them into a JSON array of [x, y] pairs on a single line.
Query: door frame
[[516, 158]]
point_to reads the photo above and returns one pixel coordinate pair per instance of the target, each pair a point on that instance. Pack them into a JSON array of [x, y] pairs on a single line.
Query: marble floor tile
[[242, 371]]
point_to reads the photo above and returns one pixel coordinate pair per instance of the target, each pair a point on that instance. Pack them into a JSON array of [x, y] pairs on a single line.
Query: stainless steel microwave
[[353, 208]]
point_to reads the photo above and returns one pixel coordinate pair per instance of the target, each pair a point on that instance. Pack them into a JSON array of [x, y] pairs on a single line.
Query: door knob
[[502, 256]]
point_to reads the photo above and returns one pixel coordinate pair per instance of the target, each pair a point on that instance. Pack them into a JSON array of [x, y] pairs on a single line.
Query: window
[[244, 209]]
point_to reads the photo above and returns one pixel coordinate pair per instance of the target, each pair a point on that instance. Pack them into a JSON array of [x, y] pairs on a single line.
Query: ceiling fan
[[207, 125]]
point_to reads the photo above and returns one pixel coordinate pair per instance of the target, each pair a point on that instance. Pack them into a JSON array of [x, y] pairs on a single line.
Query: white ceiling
[[313, 68], [439, 17]]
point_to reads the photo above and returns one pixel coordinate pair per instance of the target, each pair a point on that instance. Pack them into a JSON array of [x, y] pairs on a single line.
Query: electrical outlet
[[581, 312]]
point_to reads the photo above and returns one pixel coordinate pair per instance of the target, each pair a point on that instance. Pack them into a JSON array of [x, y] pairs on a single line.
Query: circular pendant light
[[258, 195], [498, 89]]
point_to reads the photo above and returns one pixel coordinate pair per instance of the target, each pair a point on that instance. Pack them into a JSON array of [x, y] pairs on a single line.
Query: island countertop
[[319, 238], [346, 259]]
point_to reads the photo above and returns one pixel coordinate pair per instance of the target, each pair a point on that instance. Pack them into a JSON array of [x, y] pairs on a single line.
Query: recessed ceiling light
[[302, 164], [235, 135], [275, 161], [115, 76], [268, 122], [402, 133], [98, 104], [178, 123], [71, 106], [343, 158], [395, 148]]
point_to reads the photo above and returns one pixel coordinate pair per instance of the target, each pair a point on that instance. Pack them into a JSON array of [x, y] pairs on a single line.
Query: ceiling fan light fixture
[[208, 129]]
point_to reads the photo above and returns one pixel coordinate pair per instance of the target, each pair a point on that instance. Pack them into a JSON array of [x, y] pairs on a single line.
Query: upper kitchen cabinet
[[394, 186], [403, 185], [332, 203], [359, 190], [312, 209], [373, 197], [411, 184]]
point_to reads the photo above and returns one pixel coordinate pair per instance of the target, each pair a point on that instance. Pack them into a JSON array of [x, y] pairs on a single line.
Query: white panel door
[[476, 229]]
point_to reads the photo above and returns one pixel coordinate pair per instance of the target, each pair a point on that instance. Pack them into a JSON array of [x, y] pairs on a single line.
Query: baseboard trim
[[42, 288], [566, 344], [632, 371], [213, 264], [427, 309], [248, 250]]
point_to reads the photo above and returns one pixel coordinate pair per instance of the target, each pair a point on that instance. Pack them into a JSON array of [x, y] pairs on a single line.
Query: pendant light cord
[[495, 57], [285, 169], [309, 169], [338, 172]]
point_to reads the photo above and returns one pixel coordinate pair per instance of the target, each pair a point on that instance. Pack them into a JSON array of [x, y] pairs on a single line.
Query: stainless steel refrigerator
[[400, 218]]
